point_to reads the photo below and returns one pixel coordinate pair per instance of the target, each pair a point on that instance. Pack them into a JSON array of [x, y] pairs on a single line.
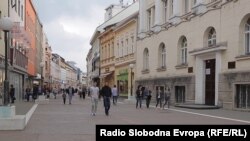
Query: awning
[[103, 75]]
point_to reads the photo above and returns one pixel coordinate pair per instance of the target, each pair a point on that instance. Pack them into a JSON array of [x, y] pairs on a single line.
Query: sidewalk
[[201, 110], [23, 107], [17, 115]]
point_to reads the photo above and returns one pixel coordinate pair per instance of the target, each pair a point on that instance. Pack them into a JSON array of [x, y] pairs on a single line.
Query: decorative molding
[[243, 57], [181, 66], [162, 68], [145, 71]]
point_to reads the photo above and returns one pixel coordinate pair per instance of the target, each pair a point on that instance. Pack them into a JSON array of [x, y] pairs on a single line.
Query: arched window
[[145, 59], [211, 37], [184, 51], [162, 56], [247, 37]]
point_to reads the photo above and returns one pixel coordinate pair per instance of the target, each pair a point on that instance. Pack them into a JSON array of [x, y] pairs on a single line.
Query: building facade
[[107, 44], [199, 49], [47, 66], [125, 48], [30, 27], [89, 68], [107, 56], [18, 43]]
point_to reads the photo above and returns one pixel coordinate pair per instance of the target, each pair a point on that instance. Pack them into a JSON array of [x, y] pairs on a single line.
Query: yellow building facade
[[107, 57], [125, 48]]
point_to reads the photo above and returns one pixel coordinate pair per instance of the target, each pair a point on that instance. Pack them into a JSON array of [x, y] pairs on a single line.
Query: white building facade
[[197, 48]]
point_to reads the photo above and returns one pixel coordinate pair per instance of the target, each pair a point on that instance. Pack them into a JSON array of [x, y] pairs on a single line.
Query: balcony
[[18, 59]]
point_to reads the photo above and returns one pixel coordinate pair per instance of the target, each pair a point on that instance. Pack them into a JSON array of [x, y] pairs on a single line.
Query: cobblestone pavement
[[58, 122]]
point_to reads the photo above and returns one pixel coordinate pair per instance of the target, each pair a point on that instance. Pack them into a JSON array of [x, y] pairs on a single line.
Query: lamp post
[[6, 25], [131, 66]]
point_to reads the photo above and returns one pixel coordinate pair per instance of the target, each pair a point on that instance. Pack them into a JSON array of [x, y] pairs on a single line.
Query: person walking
[[94, 94], [114, 94], [70, 92], [106, 93], [84, 90], [139, 95], [64, 97], [167, 98], [27, 90], [55, 92], [159, 96], [12, 94], [148, 99]]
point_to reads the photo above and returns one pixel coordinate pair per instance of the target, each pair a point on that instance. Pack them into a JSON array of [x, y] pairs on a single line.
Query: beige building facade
[[125, 48], [107, 57], [199, 49]]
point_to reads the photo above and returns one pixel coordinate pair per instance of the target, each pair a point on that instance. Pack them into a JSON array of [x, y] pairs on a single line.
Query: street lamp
[[131, 66], [6, 25]]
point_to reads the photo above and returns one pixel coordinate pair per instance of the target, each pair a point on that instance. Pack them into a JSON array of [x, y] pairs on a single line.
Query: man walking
[[70, 92], [114, 94], [106, 93], [94, 94]]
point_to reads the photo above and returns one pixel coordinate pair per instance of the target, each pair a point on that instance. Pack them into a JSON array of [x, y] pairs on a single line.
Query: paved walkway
[[58, 122], [23, 107]]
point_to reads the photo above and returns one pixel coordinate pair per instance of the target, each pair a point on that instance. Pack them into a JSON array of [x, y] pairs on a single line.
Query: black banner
[[190, 132]]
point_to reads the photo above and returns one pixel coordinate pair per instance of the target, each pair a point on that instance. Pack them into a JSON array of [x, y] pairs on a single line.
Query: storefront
[[122, 82], [17, 80]]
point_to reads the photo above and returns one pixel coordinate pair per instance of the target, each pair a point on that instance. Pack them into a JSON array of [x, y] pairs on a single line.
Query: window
[[0, 18], [247, 37], [118, 50], [126, 49], [171, 7], [242, 98], [122, 48], [14, 5], [186, 6], [109, 54], [162, 56], [184, 51], [146, 59], [132, 44], [19, 7], [211, 37], [149, 19], [22, 12], [112, 49], [165, 10]]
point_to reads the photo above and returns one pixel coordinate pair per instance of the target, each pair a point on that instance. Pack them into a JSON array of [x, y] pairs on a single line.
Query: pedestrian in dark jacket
[[148, 99], [106, 93], [139, 95], [64, 97]]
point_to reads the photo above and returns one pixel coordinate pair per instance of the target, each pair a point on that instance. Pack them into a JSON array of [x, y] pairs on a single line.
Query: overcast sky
[[69, 25]]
